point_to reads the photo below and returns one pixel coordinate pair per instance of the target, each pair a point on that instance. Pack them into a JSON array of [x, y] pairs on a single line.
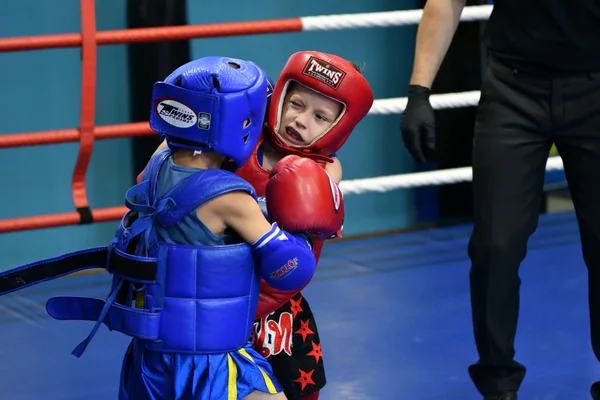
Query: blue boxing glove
[[286, 261]]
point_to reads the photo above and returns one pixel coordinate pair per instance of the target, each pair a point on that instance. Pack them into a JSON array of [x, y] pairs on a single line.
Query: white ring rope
[[384, 19], [438, 102], [398, 104], [419, 179]]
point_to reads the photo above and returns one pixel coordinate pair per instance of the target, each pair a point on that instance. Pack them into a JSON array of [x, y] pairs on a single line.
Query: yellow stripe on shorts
[[268, 381], [231, 379]]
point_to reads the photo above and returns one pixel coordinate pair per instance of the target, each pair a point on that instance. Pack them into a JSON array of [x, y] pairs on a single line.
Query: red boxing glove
[[302, 197]]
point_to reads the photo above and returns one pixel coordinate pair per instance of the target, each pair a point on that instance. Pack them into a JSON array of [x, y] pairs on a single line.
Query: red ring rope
[[140, 35], [87, 132], [72, 135]]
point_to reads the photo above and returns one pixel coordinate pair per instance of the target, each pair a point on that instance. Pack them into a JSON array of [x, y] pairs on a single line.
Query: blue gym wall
[[41, 91]]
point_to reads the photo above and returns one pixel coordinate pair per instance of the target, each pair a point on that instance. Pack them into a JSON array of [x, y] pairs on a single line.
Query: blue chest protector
[[176, 298]]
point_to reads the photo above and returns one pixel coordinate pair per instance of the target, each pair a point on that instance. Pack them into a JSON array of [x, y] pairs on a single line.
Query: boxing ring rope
[[87, 132], [317, 23], [448, 176]]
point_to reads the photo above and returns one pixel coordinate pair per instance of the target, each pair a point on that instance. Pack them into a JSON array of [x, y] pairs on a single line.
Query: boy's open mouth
[[293, 136]]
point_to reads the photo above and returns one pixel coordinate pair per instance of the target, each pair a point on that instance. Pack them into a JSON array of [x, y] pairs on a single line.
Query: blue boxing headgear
[[212, 104]]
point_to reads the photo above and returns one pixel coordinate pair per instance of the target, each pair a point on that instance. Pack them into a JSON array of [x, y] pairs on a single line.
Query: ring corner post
[[151, 62]]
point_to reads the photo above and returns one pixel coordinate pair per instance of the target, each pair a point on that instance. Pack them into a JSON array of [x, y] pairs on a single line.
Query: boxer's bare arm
[[160, 146], [334, 170]]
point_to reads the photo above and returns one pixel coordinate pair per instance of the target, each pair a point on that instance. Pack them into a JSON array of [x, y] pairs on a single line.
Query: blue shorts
[[148, 375]]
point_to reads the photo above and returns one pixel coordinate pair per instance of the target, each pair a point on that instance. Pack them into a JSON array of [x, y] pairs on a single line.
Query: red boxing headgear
[[333, 77]]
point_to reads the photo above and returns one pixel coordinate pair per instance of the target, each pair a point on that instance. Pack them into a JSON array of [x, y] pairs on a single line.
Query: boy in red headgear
[[317, 101]]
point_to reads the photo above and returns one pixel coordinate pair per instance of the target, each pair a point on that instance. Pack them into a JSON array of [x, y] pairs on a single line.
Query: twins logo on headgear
[[333, 77], [212, 104]]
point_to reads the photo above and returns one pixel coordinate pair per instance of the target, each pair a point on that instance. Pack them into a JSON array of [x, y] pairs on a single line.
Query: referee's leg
[[511, 146], [578, 143]]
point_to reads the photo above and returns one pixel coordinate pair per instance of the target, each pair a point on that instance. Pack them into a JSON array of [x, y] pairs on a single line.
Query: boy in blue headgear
[[211, 111], [188, 257]]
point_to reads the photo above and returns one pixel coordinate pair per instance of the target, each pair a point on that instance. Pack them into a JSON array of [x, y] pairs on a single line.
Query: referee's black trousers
[[520, 115]]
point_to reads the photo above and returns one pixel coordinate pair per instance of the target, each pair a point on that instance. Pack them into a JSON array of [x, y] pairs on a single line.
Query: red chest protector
[[269, 299]]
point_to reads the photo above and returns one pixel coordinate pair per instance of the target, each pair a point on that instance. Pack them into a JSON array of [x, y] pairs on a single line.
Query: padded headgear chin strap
[[333, 77]]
